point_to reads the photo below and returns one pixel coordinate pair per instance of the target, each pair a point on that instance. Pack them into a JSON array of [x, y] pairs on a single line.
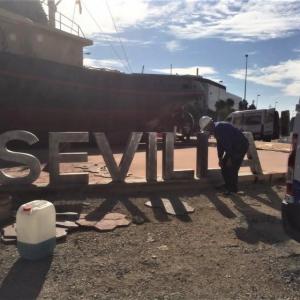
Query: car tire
[[267, 138]]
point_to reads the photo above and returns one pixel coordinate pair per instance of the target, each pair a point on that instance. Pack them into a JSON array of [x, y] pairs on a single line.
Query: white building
[[235, 98], [217, 91]]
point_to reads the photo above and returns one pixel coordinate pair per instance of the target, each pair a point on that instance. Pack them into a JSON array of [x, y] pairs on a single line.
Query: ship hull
[[43, 96]]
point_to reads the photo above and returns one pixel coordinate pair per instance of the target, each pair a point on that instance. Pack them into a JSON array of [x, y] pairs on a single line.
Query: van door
[[253, 123]]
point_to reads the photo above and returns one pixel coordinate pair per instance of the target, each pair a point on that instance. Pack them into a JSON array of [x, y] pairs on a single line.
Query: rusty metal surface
[[23, 158], [202, 155], [118, 173], [55, 157], [168, 172], [252, 155], [151, 156], [77, 99]]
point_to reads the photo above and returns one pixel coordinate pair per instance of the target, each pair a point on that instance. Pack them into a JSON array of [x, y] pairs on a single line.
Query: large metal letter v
[[118, 173]]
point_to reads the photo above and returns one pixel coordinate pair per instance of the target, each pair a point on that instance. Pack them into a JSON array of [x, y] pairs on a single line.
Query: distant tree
[[243, 105], [220, 105], [230, 103], [252, 106], [224, 108]]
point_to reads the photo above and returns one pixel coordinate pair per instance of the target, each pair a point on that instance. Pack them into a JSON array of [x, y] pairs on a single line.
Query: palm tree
[[252, 106], [224, 108], [243, 105]]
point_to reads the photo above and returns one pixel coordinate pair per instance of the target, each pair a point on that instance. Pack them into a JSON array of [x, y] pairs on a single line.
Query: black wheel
[[267, 138]]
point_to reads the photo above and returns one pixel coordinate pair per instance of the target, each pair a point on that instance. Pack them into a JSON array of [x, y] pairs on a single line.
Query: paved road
[[186, 159], [183, 159]]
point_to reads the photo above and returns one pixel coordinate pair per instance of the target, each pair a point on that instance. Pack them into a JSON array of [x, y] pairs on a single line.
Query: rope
[[116, 29], [101, 30]]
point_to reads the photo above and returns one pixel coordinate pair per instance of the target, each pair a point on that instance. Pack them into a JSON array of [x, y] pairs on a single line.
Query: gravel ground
[[229, 248]]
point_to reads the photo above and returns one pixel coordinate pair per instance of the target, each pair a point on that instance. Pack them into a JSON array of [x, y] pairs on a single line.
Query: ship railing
[[64, 23]]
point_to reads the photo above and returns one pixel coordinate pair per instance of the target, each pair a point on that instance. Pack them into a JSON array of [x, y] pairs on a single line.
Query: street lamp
[[275, 104], [245, 87], [258, 95]]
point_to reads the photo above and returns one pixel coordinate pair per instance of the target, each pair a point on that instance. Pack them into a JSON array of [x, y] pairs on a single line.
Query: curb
[[116, 188]]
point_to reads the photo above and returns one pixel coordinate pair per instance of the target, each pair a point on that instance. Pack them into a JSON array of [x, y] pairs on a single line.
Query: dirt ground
[[229, 248]]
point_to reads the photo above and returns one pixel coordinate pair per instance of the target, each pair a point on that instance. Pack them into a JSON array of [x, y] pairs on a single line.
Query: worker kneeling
[[232, 146]]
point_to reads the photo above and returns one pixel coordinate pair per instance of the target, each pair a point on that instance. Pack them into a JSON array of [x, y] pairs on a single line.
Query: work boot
[[227, 193]]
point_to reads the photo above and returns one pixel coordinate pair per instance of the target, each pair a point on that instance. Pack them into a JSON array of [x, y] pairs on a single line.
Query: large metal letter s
[[18, 157]]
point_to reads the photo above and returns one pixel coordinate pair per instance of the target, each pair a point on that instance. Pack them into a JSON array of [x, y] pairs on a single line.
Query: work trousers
[[231, 173]]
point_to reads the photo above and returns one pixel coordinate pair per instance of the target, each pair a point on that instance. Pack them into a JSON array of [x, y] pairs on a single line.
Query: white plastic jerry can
[[36, 229]]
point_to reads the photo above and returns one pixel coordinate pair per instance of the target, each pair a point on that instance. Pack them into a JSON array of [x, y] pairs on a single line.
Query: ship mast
[[52, 6], [51, 11]]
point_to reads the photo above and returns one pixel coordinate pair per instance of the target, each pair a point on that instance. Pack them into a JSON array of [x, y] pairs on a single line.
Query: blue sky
[[212, 35]]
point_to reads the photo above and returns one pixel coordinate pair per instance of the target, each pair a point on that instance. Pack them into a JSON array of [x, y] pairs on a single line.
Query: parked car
[[263, 123], [290, 208]]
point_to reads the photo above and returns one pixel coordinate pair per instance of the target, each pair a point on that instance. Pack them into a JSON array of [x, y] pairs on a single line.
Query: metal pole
[[258, 95], [51, 12], [245, 88]]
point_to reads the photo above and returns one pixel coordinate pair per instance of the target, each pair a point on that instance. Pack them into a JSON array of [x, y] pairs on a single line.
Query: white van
[[263, 123], [290, 208]]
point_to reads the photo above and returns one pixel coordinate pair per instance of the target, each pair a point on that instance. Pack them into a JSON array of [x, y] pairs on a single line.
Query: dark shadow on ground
[[63, 201], [25, 279], [108, 205], [158, 211], [181, 213], [257, 226], [222, 208], [105, 207], [273, 200], [133, 209]]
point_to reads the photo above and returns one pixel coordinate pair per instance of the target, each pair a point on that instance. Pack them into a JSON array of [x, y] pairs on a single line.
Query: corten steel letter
[[23, 158], [118, 173], [202, 155], [151, 157], [55, 157], [252, 155], [168, 172]]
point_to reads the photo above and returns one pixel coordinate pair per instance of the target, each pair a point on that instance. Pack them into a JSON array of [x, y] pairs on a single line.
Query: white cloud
[[241, 21], [105, 39], [229, 20], [174, 46], [285, 76], [203, 70], [103, 63], [125, 14]]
